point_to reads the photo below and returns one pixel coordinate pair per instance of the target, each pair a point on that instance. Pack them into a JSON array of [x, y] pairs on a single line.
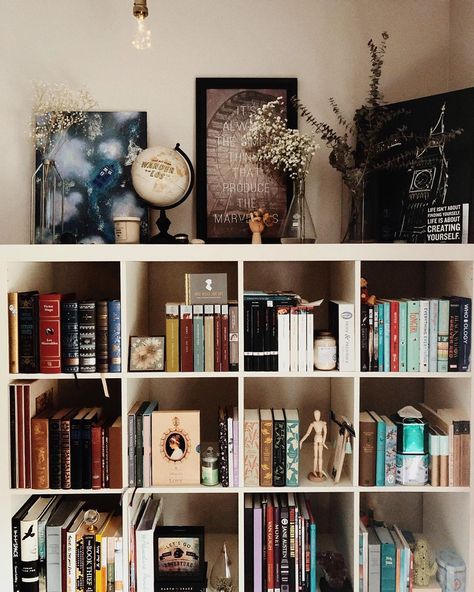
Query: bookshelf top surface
[[237, 252]]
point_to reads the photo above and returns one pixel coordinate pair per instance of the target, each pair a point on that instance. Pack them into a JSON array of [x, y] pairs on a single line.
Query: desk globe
[[164, 178]]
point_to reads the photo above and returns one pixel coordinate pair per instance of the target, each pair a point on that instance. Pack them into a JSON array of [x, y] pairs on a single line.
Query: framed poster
[[228, 184], [92, 161]]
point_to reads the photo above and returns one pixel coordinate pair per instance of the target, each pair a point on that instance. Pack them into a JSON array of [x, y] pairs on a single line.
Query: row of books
[[386, 558], [202, 337], [280, 543], [279, 332], [433, 449], [58, 543], [52, 333], [425, 335], [66, 448], [271, 447]]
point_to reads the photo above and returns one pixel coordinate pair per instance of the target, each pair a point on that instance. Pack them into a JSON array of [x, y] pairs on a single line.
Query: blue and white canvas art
[[93, 162]]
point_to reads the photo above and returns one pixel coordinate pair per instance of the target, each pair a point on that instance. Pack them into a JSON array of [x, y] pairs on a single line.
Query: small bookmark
[[104, 385]]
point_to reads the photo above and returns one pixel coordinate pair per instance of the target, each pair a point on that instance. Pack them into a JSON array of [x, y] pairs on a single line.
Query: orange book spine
[[40, 452]]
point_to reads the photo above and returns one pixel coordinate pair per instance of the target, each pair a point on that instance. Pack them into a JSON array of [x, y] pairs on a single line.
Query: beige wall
[[461, 53], [322, 42]]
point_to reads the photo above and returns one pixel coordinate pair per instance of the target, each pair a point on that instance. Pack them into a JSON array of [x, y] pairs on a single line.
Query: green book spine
[[413, 340], [292, 447], [403, 332], [443, 335], [380, 456]]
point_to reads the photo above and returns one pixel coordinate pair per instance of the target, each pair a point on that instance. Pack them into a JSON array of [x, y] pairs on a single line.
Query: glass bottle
[[221, 574], [298, 226], [47, 204]]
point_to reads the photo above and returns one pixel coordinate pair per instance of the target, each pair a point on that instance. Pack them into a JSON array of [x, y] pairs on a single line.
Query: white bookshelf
[[144, 277]]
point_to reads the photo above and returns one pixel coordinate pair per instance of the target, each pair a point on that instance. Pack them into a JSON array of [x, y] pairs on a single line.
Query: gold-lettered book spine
[[13, 332], [172, 337]]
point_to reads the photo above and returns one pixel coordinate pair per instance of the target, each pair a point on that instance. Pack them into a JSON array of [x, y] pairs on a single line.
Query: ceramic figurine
[[425, 566], [320, 433]]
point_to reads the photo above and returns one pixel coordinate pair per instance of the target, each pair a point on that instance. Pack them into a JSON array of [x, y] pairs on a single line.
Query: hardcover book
[[443, 335], [13, 332], [413, 339], [266, 448], [172, 337], [28, 331], [223, 446], [367, 449], [341, 324], [209, 338], [102, 336], [50, 333], [40, 450], [186, 337], [279, 448], [292, 447], [176, 439], [206, 288], [251, 448], [87, 353], [69, 336], [114, 345], [233, 337], [198, 337], [380, 452], [390, 451]]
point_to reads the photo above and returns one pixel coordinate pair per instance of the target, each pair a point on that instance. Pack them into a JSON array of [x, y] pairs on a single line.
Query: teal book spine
[[443, 335], [198, 337], [380, 457], [381, 337], [413, 341], [312, 543], [386, 337], [403, 331], [292, 448], [388, 561], [390, 452]]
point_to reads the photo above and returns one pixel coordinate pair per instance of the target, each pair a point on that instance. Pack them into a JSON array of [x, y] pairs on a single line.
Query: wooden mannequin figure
[[320, 433]]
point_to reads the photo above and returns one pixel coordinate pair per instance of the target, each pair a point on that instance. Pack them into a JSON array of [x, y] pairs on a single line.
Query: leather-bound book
[[367, 449], [50, 332], [40, 450], [102, 336], [87, 352], [114, 336], [115, 454], [28, 325], [13, 332], [69, 336]]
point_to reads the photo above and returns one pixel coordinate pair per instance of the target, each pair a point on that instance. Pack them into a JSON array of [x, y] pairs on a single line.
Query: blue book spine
[[403, 331], [413, 339], [198, 337], [465, 335], [69, 336], [115, 336], [380, 457], [312, 542], [390, 452], [386, 337], [381, 338]]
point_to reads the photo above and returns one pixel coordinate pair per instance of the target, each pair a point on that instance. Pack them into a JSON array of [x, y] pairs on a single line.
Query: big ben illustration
[[428, 184]]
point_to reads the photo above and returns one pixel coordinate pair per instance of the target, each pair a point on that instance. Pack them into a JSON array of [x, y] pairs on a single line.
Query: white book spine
[[71, 561], [283, 339], [118, 552], [29, 549], [310, 340], [424, 334], [53, 558], [294, 339], [235, 427], [230, 450], [302, 314], [147, 450], [103, 562], [346, 336], [433, 337], [145, 561]]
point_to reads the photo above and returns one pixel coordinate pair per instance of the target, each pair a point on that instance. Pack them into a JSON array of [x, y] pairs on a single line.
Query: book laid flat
[[206, 288]]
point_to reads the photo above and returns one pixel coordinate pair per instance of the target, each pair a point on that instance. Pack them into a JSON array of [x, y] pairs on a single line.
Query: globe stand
[[163, 237]]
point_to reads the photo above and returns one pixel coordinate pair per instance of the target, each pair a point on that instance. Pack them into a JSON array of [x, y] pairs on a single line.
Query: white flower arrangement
[[57, 108], [275, 146]]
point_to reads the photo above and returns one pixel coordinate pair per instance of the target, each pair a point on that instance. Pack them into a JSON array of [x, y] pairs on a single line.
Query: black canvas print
[[431, 200]]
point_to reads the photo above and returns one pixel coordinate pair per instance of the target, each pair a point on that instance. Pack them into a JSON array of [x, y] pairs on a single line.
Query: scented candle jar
[[325, 351]]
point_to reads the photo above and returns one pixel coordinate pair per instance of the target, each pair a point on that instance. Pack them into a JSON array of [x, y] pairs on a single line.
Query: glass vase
[[298, 226], [221, 575], [360, 222], [47, 204]]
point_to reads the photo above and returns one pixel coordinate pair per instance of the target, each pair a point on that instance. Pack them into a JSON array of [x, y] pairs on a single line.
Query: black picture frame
[[212, 170], [178, 533]]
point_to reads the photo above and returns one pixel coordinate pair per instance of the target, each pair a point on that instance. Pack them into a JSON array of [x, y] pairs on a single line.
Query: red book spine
[[27, 433], [50, 333], [394, 335], [96, 444], [270, 548], [186, 337], [217, 338], [20, 426], [225, 337]]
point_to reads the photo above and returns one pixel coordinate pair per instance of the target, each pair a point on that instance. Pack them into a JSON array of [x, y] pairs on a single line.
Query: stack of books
[[386, 559], [55, 546], [280, 543], [53, 333], [438, 454], [66, 448], [271, 447], [424, 335]]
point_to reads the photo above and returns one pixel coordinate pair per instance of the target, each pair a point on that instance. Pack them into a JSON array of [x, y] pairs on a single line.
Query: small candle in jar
[[209, 467], [325, 351]]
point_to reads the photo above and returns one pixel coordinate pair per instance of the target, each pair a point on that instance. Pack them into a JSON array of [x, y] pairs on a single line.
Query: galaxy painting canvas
[[94, 161]]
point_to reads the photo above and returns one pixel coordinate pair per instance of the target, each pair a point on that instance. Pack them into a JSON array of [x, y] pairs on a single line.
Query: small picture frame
[[147, 354], [180, 553]]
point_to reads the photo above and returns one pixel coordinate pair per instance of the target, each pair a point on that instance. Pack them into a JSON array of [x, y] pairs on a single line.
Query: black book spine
[[12, 436], [247, 335], [285, 550], [87, 352], [69, 336], [102, 336], [274, 338], [76, 454], [256, 334], [465, 335], [28, 332], [277, 546], [279, 453], [248, 549], [106, 457], [66, 454], [55, 441], [223, 462], [364, 337], [453, 342], [86, 441], [371, 338], [264, 502], [89, 562], [267, 348]]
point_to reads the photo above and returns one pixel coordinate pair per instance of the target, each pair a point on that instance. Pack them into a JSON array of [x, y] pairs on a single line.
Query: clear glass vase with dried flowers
[[279, 149], [56, 109]]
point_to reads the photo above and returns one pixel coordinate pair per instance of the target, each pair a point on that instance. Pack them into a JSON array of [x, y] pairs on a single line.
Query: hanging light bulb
[[142, 38]]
